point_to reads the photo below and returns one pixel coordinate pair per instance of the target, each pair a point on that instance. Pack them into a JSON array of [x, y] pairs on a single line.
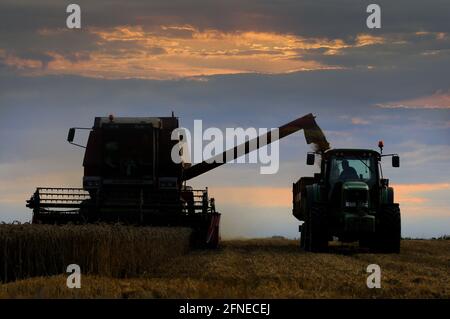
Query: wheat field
[[108, 250], [267, 268]]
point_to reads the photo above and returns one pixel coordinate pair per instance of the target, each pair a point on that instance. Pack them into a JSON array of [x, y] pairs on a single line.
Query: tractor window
[[352, 168]]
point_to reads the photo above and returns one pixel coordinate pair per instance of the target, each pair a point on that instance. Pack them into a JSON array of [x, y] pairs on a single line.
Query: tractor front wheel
[[387, 230]]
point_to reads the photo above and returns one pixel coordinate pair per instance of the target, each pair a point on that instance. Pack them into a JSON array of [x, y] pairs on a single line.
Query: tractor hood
[[355, 195], [355, 185], [356, 206]]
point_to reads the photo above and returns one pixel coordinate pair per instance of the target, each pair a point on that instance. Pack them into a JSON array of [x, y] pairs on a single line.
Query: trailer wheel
[[388, 230], [316, 237]]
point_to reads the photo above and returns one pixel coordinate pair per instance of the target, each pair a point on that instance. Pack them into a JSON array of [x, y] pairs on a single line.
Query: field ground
[[267, 268]]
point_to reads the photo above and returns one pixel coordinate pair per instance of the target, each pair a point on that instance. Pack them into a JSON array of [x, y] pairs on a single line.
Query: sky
[[253, 63]]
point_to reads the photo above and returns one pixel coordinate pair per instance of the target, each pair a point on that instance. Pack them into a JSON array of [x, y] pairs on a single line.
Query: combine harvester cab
[[129, 177]]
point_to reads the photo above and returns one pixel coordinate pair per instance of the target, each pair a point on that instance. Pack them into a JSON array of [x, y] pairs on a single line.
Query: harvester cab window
[[112, 156], [128, 154]]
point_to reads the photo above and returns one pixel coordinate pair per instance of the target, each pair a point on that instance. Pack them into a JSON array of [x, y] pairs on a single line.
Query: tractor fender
[[312, 194], [387, 195]]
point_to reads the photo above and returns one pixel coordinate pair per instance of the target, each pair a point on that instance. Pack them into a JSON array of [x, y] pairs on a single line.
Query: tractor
[[349, 199]]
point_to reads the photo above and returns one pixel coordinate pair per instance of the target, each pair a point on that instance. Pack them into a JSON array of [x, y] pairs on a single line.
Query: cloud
[[438, 100], [416, 154], [174, 51], [359, 121], [419, 193], [259, 196], [164, 52], [323, 18], [18, 180], [159, 40]]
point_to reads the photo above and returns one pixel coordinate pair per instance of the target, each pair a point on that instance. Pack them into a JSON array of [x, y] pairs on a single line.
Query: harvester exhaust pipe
[[313, 134]]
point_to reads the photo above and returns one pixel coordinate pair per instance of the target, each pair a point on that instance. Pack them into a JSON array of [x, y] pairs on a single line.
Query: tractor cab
[[350, 178], [351, 165]]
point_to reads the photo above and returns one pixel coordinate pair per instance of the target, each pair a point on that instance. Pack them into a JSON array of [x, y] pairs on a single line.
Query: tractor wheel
[[366, 242], [316, 237], [388, 230]]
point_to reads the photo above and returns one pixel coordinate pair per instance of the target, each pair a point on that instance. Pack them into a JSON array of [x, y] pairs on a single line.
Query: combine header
[[129, 177]]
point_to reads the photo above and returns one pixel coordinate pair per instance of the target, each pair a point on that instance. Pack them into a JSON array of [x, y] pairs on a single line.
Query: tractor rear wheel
[[388, 230], [316, 237]]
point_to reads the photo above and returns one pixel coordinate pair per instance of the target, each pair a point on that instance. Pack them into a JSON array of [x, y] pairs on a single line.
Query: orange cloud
[[173, 51], [367, 39], [414, 193], [359, 121], [405, 194], [18, 190], [20, 63], [437, 35], [438, 100]]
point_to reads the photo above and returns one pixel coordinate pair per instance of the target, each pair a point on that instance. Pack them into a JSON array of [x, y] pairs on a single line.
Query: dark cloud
[[312, 18], [33, 29], [256, 98], [32, 54]]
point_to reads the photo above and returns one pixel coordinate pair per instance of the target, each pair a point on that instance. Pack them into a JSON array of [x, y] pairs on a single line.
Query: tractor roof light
[[381, 145]]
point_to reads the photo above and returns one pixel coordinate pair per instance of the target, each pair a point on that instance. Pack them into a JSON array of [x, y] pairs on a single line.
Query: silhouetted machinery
[[350, 199], [130, 177]]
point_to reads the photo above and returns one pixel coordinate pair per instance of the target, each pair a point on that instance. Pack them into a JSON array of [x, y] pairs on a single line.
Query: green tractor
[[349, 199]]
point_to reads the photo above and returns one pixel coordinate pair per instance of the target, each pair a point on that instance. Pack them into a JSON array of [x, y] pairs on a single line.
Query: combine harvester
[[129, 177]]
